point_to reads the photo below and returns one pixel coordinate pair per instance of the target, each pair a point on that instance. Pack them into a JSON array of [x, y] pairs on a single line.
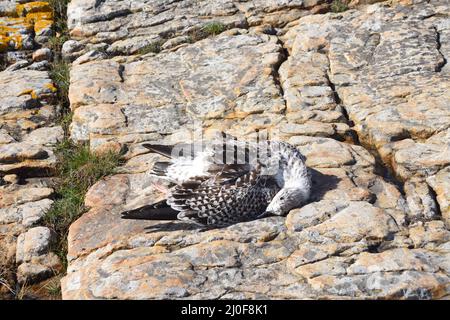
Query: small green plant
[[60, 74], [59, 10], [59, 69], [338, 6], [53, 287], [61, 31], [207, 30], [153, 47], [55, 42], [65, 120], [78, 169], [213, 28], [3, 62]]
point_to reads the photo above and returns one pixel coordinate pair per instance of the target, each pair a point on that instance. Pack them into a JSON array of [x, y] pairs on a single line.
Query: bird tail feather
[[156, 211], [160, 149], [160, 168]]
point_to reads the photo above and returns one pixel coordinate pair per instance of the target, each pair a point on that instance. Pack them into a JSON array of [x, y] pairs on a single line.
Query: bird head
[[286, 200]]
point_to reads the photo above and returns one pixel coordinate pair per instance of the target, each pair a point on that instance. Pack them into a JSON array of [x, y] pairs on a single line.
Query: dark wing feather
[[182, 150], [160, 149], [214, 202], [156, 211]]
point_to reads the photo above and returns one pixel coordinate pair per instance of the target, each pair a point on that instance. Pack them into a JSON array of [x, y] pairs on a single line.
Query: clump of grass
[[60, 69], [213, 28], [56, 41], [59, 9], [53, 287], [77, 170], [153, 47], [209, 29], [65, 120], [60, 74], [338, 6], [3, 62]]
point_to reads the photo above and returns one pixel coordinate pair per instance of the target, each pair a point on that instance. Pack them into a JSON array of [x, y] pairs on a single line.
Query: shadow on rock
[[321, 184], [175, 226]]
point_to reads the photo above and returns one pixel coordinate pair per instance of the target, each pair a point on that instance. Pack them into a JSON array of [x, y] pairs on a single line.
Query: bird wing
[[224, 202], [216, 162]]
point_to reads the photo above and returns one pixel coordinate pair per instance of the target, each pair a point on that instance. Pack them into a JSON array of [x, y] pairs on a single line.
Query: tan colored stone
[[430, 234], [33, 243], [16, 195], [393, 260], [334, 266], [441, 186], [352, 222], [111, 191], [378, 72]]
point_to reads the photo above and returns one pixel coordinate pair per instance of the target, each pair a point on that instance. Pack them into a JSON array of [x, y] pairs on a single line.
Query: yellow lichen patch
[[11, 31], [38, 16], [35, 16], [31, 92], [13, 41], [30, 7], [51, 87], [42, 24], [15, 23]]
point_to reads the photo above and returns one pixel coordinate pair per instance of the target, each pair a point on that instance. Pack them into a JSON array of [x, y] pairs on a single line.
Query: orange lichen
[[30, 16], [42, 24], [30, 7], [37, 13], [10, 37], [31, 92], [37, 16], [51, 87]]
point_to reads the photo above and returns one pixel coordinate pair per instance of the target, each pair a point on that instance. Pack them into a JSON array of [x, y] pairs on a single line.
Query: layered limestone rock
[[28, 134], [126, 27], [363, 94], [390, 74]]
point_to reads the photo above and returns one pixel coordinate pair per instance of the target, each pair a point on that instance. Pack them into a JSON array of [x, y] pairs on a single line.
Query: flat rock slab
[[212, 79], [390, 73], [28, 134], [268, 258], [126, 27], [362, 236]]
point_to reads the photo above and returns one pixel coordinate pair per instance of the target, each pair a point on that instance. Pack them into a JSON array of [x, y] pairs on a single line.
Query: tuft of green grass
[[60, 74], [213, 28], [59, 9], [60, 69], [64, 121], [338, 6], [61, 31], [56, 41], [3, 62], [154, 47], [53, 287], [77, 170], [207, 30]]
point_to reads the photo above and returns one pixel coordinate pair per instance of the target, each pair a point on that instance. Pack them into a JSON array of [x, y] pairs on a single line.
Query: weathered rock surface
[[389, 73], [383, 88], [125, 27], [28, 134]]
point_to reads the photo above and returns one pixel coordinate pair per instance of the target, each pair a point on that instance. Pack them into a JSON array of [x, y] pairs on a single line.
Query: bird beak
[[266, 214]]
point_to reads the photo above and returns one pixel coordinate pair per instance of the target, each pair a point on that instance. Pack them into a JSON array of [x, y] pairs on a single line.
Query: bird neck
[[294, 171]]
